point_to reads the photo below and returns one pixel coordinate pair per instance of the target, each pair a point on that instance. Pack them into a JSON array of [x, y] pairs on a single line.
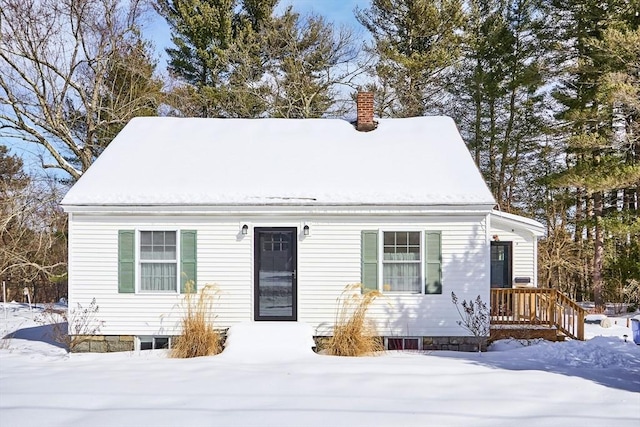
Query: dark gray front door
[[275, 283], [500, 264]]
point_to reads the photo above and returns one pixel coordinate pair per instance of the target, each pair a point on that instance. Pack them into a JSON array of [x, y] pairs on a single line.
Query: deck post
[[552, 308]]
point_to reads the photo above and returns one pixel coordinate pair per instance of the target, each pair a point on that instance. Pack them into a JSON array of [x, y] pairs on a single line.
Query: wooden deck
[[531, 308]]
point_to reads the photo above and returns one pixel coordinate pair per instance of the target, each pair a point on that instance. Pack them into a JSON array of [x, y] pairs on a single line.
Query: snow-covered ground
[[596, 382]]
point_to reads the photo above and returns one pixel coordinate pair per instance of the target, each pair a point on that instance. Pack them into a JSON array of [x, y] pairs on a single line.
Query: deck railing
[[537, 306]]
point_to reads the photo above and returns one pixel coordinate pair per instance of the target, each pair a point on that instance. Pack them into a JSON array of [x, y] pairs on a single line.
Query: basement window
[[153, 343], [402, 343]]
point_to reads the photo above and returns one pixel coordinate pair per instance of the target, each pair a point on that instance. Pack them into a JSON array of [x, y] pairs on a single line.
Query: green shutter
[[126, 261], [433, 262], [369, 265], [188, 260]]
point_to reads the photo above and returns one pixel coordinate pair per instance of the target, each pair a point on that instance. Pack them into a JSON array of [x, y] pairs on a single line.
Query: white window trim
[[140, 338], [381, 232], [139, 261]]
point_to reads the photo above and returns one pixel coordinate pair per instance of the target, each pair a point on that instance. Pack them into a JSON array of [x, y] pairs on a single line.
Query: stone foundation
[[435, 343], [102, 343], [115, 343], [453, 343]]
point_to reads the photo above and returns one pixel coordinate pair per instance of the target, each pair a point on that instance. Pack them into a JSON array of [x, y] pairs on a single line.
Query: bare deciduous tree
[[32, 226], [59, 60]]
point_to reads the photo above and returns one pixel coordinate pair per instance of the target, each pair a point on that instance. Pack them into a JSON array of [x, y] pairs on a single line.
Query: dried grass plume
[[199, 338], [353, 334]]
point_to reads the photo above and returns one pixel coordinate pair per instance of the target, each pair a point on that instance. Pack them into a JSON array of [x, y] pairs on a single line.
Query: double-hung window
[[402, 262], [158, 261]]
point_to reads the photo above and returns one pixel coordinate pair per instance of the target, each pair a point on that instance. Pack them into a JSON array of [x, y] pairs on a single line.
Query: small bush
[[199, 338], [353, 335], [475, 318], [72, 327]]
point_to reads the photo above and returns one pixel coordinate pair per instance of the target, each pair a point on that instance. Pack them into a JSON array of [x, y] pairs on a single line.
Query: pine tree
[[497, 98], [219, 54], [202, 35], [597, 168], [130, 89], [256, 64], [307, 60], [416, 42]]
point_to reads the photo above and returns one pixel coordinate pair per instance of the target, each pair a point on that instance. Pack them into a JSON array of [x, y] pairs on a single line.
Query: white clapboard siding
[[328, 260], [524, 250]]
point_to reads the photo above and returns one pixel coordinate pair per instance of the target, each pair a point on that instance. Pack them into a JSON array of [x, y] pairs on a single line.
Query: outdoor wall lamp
[[305, 230], [245, 229]]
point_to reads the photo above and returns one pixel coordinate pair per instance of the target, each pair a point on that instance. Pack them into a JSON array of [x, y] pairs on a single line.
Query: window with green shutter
[[402, 261], [156, 261]]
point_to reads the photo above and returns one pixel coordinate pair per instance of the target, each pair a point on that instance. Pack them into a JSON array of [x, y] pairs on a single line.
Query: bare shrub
[[353, 335], [71, 327], [475, 318], [632, 291], [198, 338]]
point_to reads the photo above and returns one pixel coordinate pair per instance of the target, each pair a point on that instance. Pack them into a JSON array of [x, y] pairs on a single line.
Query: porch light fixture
[[305, 230], [245, 229]]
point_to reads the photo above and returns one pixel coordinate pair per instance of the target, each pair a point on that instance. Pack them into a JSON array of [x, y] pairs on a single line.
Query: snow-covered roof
[[194, 161]]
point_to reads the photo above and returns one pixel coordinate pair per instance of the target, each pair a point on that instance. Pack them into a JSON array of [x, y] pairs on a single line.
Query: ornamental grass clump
[[199, 338], [353, 334]]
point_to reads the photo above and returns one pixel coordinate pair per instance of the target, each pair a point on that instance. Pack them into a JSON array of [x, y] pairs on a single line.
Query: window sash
[[158, 277], [158, 245], [402, 261], [158, 263]]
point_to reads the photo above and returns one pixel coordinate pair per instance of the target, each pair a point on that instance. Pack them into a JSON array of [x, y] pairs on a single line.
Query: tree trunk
[[598, 253]]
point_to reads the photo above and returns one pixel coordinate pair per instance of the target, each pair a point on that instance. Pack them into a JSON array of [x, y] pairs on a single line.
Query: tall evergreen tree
[[307, 60], [202, 35], [497, 93], [597, 168], [416, 42], [240, 60]]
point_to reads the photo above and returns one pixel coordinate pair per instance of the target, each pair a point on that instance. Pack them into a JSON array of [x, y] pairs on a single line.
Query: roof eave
[[535, 227], [316, 208]]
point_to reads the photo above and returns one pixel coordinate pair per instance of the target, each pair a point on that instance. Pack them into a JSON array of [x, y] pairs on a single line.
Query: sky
[[338, 11]]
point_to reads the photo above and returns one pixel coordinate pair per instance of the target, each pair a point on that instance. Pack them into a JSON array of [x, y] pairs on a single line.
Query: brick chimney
[[365, 122]]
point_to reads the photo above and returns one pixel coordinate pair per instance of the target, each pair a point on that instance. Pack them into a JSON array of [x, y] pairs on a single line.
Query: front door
[[275, 283], [500, 264]]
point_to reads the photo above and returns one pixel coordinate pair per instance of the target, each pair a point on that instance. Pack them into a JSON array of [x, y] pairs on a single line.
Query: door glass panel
[[500, 265], [276, 274]]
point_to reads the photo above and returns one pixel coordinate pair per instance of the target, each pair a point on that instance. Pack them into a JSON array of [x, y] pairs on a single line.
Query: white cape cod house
[[281, 215]]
